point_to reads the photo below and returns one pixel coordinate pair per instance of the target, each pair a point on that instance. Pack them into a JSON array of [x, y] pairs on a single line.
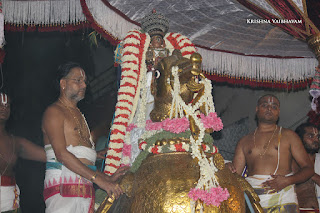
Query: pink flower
[[215, 196], [212, 121], [176, 125], [126, 150], [153, 125], [131, 127]]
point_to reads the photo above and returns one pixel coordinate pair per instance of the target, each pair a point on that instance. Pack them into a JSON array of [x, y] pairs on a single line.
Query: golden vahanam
[[163, 181]]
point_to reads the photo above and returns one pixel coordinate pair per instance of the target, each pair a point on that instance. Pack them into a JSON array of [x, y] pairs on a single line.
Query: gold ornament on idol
[[82, 127], [266, 146]]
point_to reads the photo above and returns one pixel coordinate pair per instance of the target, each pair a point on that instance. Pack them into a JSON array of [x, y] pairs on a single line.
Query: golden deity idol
[[174, 161]]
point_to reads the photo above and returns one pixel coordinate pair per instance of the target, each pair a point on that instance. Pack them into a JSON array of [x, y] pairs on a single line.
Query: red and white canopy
[[239, 41]]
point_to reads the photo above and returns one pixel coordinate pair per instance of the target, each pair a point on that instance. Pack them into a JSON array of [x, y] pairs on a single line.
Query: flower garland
[[180, 106], [212, 197], [148, 144], [180, 42], [207, 183], [133, 70], [126, 150], [143, 104], [133, 78], [162, 129], [178, 125]]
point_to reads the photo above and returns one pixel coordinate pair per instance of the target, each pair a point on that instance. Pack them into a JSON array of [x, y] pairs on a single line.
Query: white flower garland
[[143, 102], [207, 178], [180, 105], [125, 100], [125, 159], [149, 134], [143, 72]]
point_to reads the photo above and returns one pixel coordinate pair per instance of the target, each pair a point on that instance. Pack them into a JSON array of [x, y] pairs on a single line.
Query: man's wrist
[[315, 177], [93, 177], [288, 180]]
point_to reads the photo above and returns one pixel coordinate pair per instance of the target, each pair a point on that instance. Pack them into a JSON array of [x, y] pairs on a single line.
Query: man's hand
[[231, 167], [276, 184], [119, 173], [102, 153], [111, 189], [316, 179]]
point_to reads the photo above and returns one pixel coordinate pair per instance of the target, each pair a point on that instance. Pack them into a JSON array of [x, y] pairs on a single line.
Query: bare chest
[[262, 147], [8, 155], [76, 130], [266, 155]]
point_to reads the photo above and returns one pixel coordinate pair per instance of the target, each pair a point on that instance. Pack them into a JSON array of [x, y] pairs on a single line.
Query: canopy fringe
[[107, 19]]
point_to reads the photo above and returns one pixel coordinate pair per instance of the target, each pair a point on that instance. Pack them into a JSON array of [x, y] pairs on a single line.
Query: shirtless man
[[306, 191], [268, 153], [12, 147], [70, 150]]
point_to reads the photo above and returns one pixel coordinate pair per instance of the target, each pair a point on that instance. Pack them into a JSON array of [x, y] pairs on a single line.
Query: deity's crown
[[155, 24]]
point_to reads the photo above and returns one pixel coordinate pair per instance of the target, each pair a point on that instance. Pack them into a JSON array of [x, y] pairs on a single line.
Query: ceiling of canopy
[[220, 24]]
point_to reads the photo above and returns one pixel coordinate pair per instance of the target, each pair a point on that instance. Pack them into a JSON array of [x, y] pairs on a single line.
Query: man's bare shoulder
[[289, 135], [53, 112], [245, 139], [53, 109]]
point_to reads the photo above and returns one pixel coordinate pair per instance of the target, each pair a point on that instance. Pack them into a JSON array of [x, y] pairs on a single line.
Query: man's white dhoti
[[65, 191], [9, 192], [283, 201]]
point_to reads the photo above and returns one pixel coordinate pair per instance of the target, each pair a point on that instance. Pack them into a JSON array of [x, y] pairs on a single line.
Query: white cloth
[[56, 177], [8, 197], [78, 151], [136, 133], [317, 171], [283, 201], [59, 204]]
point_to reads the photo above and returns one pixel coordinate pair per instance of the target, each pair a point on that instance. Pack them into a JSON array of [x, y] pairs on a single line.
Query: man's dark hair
[[268, 95], [300, 130], [64, 70]]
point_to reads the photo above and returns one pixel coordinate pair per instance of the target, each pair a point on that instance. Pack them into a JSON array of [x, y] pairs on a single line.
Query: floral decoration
[[148, 145], [132, 81], [214, 196], [211, 121]]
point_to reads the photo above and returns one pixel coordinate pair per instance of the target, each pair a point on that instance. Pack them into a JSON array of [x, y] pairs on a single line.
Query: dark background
[[29, 73]]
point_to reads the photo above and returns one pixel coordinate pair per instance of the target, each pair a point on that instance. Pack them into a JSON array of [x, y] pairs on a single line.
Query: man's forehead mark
[[269, 100], [4, 98], [74, 72], [82, 73], [315, 132]]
